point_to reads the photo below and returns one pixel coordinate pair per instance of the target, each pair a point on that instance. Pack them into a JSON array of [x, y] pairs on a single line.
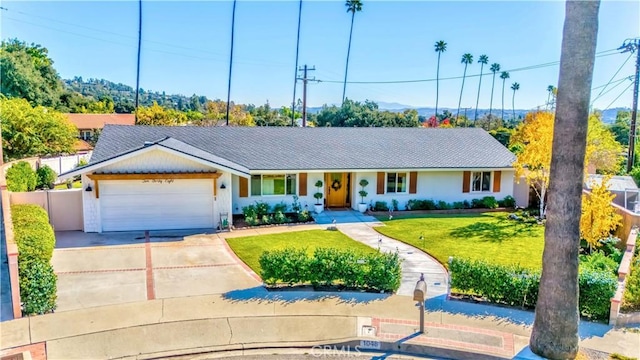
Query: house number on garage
[[158, 181]]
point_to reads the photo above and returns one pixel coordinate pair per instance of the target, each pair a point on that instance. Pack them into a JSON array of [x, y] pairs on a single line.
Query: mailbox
[[420, 292]]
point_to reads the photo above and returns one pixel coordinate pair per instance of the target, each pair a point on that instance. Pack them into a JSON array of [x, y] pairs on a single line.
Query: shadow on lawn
[[495, 231], [260, 294]]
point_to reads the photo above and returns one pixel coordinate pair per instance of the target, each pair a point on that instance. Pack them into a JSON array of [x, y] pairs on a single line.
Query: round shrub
[[21, 177], [38, 288], [46, 177]]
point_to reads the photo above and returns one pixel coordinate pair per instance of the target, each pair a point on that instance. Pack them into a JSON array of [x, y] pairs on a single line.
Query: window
[[85, 134], [481, 181], [273, 184], [396, 182]]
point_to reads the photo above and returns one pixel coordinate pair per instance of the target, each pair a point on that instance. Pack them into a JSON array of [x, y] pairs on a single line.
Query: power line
[[621, 81], [614, 75], [618, 97]]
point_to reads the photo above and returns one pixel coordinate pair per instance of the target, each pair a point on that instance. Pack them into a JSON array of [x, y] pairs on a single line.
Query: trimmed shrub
[[281, 207], [489, 202], [598, 261], [443, 205], [631, 299], [21, 177], [508, 202], [380, 206], [304, 216], [328, 266], [262, 208], [415, 204], [514, 285], [46, 177], [38, 288]]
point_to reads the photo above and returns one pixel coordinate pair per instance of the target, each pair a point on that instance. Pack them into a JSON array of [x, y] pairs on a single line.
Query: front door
[[337, 189]]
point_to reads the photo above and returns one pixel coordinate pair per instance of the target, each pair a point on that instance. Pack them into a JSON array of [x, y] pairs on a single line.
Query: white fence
[[63, 164]]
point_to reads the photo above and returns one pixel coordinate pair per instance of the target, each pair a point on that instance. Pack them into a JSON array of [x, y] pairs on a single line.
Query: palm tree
[[138, 62], [504, 76], [295, 74], [495, 67], [233, 26], [466, 60], [483, 60], [555, 328], [441, 47], [549, 91], [515, 86], [353, 6]]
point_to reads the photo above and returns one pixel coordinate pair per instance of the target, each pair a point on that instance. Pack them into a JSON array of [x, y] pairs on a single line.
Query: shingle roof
[[98, 121], [616, 183], [293, 148]]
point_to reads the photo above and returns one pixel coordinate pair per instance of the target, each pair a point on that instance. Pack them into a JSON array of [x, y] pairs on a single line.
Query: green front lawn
[[489, 236], [250, 248]]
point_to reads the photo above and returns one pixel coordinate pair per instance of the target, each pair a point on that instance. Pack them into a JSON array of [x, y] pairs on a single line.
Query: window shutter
[[380, 183], [244, 187], [302, 184], [466, 181], [496, 180], [413, 182]]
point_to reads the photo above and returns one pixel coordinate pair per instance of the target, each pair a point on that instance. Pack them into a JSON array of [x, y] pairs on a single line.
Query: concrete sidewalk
[[414, 262]]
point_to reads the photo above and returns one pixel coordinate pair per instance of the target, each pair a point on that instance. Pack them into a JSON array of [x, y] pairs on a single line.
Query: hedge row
[[514, 285], [376, 271], [36, 240]]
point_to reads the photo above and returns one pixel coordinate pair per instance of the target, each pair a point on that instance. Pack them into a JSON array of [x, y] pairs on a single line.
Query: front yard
[[490, 236], [250, 248]]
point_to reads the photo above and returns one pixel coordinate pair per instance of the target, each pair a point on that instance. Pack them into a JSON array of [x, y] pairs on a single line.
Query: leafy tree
[[157, 115], [603, 151], [482, 60], [34, 131], [353, 6], [515, 87], [215, 111], [46, 177], [495, 67], [552, 91], [598, 217], [466, 60], [620, 127], [440, 47], [21, 177], [555, 328], [504, 76], [357, 114], [28, 73], [503, 135]]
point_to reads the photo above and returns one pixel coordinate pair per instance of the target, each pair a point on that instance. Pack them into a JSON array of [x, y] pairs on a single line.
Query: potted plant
[[362, 207], [318, 195]]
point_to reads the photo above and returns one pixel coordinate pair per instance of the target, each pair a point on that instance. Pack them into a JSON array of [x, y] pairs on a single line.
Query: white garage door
[[156, 204]]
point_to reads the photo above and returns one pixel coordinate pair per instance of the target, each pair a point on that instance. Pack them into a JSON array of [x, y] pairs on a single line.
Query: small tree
[[318, 195], [363, 194], [46, 177], [21, 177], [598, 217]]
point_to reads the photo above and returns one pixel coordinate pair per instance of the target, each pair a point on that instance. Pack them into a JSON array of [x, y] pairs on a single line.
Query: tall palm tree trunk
[[464, 74], [346, 68], [437, 85], [475, 116], [493, 83], [513, 104], [138, 61], [502, 113], [555, 329], [295, 74], [233, 27]]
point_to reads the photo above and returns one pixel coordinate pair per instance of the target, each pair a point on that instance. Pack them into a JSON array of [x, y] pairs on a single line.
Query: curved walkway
[[414, 262]]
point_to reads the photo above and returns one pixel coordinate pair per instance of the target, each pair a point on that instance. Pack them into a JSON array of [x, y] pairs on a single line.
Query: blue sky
[[186, 46]]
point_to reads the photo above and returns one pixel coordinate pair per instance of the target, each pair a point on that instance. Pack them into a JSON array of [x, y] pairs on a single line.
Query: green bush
[[38, 288], [631, 298], [598, 261], [249, 211], [443, 205], [46, 177], [21, 177], [262, 208], [304, 216], [327, 266], [281, 207], [415, 204], [380, 206], [508, 202], [514, 285], [280, 218], [489, 202]]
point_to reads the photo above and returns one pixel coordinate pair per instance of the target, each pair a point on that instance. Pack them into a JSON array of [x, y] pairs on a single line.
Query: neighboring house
[[149, 178], [623, 187], [87, 124]]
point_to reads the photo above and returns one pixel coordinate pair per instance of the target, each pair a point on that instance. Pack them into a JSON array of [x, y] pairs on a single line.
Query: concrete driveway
[[110, 268]]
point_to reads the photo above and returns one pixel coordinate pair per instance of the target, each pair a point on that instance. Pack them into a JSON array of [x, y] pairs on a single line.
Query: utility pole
[[305, 79], [466, 120], [633, 45]]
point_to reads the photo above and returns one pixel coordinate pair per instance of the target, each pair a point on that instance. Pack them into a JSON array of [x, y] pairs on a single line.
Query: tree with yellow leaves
[[532, 142], [598, 218]]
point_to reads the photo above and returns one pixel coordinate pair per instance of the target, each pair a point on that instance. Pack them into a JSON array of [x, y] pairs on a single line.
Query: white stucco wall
[[153, 161], [436, 185]]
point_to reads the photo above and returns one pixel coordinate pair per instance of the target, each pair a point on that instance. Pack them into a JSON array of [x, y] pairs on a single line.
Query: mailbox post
[[420, 294]]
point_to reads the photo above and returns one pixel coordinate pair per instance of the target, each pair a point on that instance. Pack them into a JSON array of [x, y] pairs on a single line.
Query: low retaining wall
[[615, 318]]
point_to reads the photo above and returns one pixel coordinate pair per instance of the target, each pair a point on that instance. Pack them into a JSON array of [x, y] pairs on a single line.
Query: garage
[[156, 204]]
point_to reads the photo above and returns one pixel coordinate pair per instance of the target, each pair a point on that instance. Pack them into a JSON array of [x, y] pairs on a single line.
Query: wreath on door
[[336, 185]]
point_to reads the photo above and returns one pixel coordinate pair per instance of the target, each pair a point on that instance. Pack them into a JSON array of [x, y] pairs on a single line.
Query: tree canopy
[[34, 131], [357, 114]]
